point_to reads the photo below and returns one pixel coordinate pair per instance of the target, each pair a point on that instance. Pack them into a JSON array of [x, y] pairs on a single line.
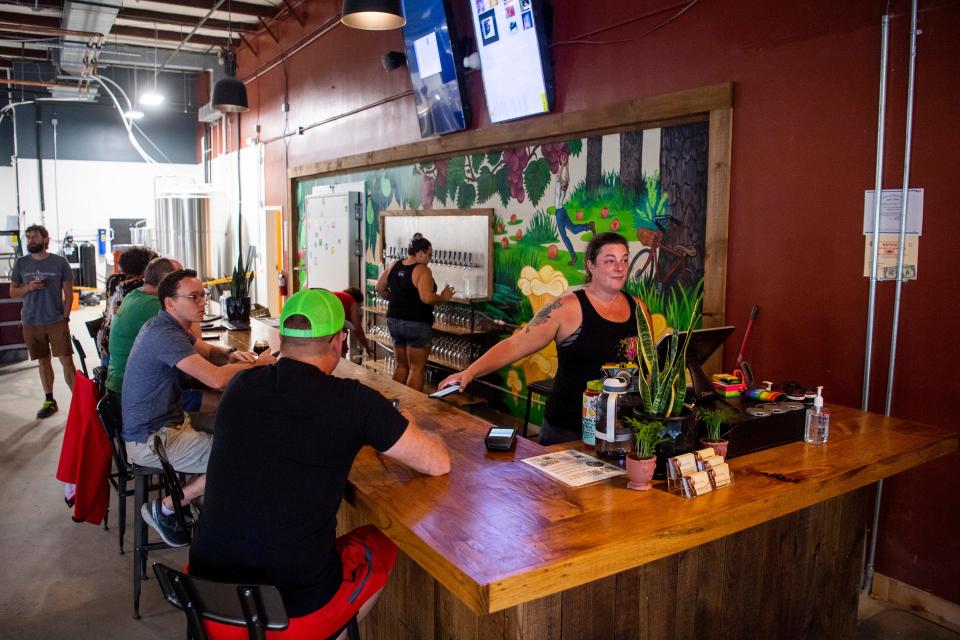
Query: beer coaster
[[791, 406], [757, 412]]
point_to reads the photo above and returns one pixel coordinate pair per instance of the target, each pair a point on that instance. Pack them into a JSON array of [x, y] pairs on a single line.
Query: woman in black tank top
[[410, 291], [588, 326]]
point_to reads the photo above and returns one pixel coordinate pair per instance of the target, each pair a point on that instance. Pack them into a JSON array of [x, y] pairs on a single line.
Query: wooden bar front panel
[[793, 577]]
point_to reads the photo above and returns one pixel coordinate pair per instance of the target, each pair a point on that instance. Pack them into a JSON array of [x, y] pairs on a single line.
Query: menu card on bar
[[574, 468]]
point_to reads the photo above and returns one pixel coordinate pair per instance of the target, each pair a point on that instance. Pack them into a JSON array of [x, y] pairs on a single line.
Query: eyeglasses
[[192, 297]]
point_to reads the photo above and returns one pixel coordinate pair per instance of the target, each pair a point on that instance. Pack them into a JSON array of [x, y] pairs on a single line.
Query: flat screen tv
[[434, 67], [514, 60]]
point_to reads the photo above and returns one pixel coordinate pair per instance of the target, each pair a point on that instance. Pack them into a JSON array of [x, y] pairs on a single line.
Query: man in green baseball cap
[[285, 439], [322, 310]]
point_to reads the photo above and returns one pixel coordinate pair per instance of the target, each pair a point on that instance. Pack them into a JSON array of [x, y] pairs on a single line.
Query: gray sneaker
[[167, 526]]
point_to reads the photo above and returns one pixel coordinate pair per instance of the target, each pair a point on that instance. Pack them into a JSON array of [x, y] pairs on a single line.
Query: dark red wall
[[806, 77]]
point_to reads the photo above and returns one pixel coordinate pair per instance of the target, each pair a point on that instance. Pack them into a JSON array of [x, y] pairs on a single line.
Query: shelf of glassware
[[451, 353], [448, 318]]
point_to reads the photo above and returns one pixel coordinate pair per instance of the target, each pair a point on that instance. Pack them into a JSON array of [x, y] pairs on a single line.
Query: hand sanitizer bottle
[[817, 427]]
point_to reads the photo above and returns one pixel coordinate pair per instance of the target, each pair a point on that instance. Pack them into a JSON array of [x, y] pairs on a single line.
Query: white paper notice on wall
[[891, 201], [887, 256], [428, 55]]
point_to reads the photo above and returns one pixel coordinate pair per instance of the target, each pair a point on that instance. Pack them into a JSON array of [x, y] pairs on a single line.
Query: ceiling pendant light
[[132, 113], [153, 97], [229, 94], [373, 15]]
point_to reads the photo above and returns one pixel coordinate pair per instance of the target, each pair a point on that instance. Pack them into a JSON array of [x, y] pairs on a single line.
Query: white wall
[[81, 196]]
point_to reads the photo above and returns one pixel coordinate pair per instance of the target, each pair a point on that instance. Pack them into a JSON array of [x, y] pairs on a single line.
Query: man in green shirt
[[138, 306]]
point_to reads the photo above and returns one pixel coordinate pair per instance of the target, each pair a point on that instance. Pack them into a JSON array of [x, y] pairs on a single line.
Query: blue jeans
[[564, 224], [410, 333]]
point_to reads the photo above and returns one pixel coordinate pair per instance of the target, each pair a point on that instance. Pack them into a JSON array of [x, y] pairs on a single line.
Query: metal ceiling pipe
[[905, 190], [877, 188], [867, 580], [186, 38], [35, 83], [43, 206]]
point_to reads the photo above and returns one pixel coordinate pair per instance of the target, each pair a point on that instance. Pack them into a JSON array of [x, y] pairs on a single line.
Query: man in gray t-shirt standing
[[45, 282]]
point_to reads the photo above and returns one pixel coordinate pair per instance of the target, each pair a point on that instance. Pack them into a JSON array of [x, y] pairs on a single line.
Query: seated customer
[[163, 352], [352, 301], [132, 263], [139, 306], [285, 439]]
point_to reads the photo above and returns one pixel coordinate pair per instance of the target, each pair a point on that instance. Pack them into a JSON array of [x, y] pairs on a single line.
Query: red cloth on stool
[[85, 454], [367, 557]]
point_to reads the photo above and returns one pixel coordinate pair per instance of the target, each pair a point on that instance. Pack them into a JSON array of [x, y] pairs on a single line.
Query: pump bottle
[[817, 427]]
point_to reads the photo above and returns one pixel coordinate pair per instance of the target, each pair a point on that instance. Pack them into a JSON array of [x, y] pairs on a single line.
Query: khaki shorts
[[41, 339], [187, 450]]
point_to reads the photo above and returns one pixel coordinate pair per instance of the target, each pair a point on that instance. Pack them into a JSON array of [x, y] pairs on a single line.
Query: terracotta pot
[[719, 447], [682, 431], [640, 472]]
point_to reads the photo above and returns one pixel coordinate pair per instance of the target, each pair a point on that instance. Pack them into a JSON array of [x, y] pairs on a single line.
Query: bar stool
[[108, 409], [141, 531], [541, 388]]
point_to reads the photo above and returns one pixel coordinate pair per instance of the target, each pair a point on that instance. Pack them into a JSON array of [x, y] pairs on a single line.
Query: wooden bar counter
[[498, 550]]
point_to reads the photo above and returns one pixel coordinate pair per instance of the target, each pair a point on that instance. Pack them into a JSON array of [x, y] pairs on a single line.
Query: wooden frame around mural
[[712, 103], [408, 213]]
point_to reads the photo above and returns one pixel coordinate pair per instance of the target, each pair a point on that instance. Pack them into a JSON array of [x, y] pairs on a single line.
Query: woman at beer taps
[[410, 292], [588, 326]]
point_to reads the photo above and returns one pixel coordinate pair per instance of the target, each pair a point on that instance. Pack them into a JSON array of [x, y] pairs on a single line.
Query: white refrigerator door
[[328, 242]]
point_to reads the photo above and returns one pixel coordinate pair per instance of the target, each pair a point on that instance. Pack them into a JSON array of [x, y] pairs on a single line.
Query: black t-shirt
[[285, 438]]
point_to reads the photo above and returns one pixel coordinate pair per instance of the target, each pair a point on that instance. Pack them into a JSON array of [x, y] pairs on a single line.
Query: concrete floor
[[67, 580]]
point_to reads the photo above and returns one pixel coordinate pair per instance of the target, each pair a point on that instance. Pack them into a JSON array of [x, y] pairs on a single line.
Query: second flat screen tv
[[434, 71], [514, 60]]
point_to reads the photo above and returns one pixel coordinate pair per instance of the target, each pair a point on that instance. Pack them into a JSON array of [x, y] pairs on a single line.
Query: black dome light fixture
[[373, 15], [230, 94]]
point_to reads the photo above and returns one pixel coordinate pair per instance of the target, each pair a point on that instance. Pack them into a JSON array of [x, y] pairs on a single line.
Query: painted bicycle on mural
[[645, 265]]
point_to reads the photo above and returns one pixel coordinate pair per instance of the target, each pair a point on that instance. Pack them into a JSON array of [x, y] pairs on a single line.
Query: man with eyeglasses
[[153, 403]]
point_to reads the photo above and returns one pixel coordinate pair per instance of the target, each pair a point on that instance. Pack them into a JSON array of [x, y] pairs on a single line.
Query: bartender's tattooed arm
[[544, 314]]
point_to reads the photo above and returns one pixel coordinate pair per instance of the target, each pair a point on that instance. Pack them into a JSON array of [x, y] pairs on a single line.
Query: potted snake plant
[[238, 304], [662, 383], [642, 463]]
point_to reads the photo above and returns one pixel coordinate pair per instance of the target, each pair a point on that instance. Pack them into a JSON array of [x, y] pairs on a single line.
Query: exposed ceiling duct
[[92, 18]]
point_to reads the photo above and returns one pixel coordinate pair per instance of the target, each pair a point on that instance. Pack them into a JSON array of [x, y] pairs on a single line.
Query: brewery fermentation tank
[[183, 231]]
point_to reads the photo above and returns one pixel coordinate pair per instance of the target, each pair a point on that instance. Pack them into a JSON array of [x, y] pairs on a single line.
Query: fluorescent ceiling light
[[151, 98], [133, 114]]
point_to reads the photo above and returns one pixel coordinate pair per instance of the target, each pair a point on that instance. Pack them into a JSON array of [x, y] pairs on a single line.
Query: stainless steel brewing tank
[[183, 231]]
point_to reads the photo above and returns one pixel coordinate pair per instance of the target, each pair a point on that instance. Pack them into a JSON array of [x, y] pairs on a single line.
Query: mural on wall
[[549, 200]]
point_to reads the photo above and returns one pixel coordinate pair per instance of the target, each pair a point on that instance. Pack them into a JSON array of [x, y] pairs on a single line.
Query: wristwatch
[[230, 350]]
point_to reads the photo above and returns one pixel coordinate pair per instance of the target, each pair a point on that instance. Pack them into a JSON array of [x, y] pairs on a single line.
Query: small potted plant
[[238, 304], [641, 464], [714, 420]]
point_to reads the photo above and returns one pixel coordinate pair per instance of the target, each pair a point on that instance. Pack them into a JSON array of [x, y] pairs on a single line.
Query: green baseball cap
[[323, 309]]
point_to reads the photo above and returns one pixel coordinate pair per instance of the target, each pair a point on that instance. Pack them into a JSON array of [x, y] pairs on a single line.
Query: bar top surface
[[497, 532]]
